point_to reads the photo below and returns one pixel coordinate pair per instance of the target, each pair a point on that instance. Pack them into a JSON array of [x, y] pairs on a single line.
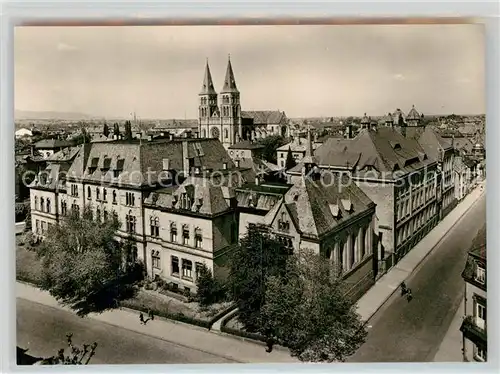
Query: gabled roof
[[64, 155], [229, 81], [365, 120], [413, 114], [208, 85], [311, 200]]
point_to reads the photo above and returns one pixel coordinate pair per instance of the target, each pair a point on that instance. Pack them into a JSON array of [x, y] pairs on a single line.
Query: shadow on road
[[22, 358]]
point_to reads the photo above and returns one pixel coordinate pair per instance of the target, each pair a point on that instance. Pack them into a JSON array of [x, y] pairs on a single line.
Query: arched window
[[114, 197], [36, 202], [203, 133], [89, 193], [352, 252], [154, 223], [42, 204], [226, 134], [48, 205]]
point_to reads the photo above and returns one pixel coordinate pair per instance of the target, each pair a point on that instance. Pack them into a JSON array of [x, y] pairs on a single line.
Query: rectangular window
[[479, 354], [173, 234], [175, 266], [185, 235], [104, 194], [187, 269], [155, 226], [97, 194], [198, 239], [480, 311], [155, 255], [130, 199], [480, 274], [130, 222], [37, 226], [198, 266]]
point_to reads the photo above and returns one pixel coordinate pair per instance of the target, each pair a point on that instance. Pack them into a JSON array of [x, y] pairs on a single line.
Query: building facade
[[397, 175], [173, 199], [474, 325], [321, 213]]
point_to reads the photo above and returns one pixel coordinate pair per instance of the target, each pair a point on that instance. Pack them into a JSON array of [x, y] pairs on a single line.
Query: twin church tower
[[220, 118]]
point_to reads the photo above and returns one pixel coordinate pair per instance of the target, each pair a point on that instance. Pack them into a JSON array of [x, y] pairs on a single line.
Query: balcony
[[474, 329]]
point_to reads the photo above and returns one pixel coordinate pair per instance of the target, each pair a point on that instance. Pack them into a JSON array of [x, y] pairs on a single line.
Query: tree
[[105, 130], [271, 145], [259, 256], [209, 290], [128, 130], [76, 355], [290, 161], [307, 310], [116, 129], [83, 265]]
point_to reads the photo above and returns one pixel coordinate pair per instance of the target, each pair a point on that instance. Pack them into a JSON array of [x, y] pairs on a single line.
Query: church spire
[[309, 161], [208, 85], [229, 81]]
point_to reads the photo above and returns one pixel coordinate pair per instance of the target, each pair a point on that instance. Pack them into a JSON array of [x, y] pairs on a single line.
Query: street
[[43, 330], [403, 331]]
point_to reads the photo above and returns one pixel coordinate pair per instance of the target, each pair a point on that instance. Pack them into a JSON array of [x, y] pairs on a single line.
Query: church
[[223, 119]]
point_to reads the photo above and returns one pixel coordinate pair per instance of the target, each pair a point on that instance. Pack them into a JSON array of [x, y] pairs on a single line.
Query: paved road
[[412, 332], [43, 330]]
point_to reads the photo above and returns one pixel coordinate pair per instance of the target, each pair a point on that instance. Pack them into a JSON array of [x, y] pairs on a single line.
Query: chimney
[[185, 158], [224, 165]]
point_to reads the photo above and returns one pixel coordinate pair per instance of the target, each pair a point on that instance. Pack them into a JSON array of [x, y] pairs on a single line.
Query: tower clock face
[[215, 132]]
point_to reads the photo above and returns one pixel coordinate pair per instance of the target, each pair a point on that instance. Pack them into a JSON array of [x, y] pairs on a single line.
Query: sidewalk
[[376, 296], [175, 332], [450, 349]]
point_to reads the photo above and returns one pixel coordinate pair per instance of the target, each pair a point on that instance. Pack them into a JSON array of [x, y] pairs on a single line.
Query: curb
[[275, 346], [423, 258]]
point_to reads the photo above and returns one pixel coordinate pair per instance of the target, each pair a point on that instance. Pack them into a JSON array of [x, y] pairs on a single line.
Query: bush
[[209, 290]]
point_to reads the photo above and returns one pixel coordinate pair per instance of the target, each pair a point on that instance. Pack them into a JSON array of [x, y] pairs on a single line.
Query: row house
[[463, 169], [474, 325], [397, 175], [333, 218], [125, 178]]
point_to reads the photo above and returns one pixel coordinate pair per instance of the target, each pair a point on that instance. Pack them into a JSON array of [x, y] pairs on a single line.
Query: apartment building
[[397, 175], [173, 198], [323, 213], [474, 325]]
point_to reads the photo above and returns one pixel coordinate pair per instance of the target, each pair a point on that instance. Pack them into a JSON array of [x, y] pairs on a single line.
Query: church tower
[[230, 109], [208, 111]]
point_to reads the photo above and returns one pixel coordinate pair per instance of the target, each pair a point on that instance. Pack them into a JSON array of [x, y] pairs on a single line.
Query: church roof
[[229, 81], [265, 117], [208, 84]]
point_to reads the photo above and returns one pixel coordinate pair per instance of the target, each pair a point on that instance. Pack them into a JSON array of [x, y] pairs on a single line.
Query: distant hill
[[49, 115]]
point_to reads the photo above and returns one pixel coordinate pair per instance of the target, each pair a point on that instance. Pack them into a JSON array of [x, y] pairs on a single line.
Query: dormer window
[[480, 275]]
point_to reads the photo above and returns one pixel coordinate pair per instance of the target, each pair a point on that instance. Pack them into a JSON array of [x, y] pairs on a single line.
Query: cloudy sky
[[304, 70]]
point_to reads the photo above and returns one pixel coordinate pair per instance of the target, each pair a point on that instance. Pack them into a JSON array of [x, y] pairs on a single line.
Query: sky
[[307, 71]]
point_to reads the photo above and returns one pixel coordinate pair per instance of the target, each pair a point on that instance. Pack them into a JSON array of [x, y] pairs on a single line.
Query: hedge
[[175, 316], [222, 313], [240, 333]]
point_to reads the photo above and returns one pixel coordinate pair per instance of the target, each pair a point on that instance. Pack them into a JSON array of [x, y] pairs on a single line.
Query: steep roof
[[365, 120], [229, 81], [208, 85], [413, 114], [143, 163], [205, 195], [385, 149], [432, 142], [320, 206]]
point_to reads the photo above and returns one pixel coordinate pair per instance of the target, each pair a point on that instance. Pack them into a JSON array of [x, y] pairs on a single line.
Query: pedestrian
[[409, 296], [404, 290], [141, 318], [269, 343]]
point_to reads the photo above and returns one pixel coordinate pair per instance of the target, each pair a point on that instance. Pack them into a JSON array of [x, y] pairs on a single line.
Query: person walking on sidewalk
[[404, 289], [409, 296]]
